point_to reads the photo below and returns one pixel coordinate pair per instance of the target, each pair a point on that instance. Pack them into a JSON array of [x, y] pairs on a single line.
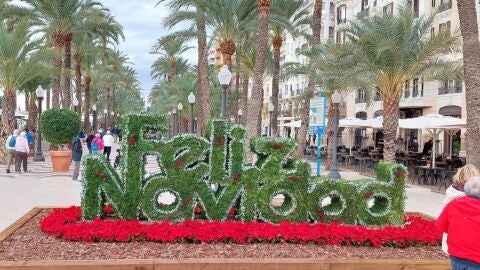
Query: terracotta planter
[[61, 160]]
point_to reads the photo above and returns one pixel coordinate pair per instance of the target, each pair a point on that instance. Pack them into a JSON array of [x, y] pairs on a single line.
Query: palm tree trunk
[[390, 125], [67, 89], [277, 44], [203, 106], [86, 110], [8, 120], [78, 80], [237, 89], [114, 96], [471, 62], [305, 111], [330, 134], [33, 114], [245, 100], [106, 104], [254, 109], [47, 99], [56, 80]]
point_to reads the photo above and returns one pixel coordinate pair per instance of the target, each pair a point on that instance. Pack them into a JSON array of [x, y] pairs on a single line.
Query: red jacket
[[460, 219]]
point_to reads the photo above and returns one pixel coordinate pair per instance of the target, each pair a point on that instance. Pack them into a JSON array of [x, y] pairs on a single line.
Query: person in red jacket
[[460, 219]]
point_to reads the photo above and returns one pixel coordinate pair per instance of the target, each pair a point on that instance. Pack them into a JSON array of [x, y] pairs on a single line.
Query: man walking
[[76, 157], [21, 152], [108, 142], [115, 132], [10, 145]]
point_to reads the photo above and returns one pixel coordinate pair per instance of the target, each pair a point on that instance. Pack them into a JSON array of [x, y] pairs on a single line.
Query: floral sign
[[210, 175]]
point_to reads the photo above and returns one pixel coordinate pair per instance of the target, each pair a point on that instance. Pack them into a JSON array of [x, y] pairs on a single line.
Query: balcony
[[359, 100], [363, 14], [445, 6], [341, 20], [449, 90]]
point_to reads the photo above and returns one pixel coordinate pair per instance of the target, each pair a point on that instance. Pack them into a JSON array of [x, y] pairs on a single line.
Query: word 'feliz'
[[211, 174]]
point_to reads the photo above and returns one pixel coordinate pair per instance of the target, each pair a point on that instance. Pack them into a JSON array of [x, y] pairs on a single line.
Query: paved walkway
[[40, 187]]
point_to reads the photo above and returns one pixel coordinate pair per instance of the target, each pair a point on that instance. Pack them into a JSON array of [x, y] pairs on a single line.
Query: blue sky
[[142, 23]]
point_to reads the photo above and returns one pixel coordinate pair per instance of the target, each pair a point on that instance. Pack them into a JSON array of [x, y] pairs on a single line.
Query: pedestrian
[[460, 219], [21, 152], [108, 142], [89, 142], [427, 147], [115, 132], [10, 145], [76, 156], [456, 190], [97, 143], [30, 139]]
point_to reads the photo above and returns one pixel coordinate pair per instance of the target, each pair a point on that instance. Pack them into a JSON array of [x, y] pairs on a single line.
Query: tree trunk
[[305, 111], [8, 120], [390, 125], [203, 105], [56, 80], [254, 109], [106, 94], [67, 88], [237, 90], [47, 101], [277, 44], [245, 100], [330, 134], [78, 80], [114, 96], [86, 109], [33, 114], [471, 62]]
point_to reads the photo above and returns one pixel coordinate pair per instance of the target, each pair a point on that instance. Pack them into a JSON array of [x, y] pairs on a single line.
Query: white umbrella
[[351, 123]]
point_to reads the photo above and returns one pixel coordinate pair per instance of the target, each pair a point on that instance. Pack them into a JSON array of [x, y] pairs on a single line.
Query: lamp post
[[180, 108], [334, 174], [224, 77], [191, 100], [75, 104], [94, 116], [270, 114], [240, 112], [174, 124], [39, 155], [105, 112]]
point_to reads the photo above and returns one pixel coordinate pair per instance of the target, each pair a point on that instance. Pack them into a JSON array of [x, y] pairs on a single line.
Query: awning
[[432, 121], [352, 122]]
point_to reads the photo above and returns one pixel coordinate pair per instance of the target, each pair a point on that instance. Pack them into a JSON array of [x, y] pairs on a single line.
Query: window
[[407, 89], [415, 7], [444, 27], [342, 14], [388, 10], [378, 95], [331, 34], [360, 96], [421, 90], [340, 37], [364, 3], [432, 32], [415, 87], [433, 3], [450, 87]]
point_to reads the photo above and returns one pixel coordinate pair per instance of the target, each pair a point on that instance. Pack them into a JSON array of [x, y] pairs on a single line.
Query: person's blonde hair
[[464, 173]]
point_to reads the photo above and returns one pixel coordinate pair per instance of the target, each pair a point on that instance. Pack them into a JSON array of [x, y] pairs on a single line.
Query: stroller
[[117, 159]]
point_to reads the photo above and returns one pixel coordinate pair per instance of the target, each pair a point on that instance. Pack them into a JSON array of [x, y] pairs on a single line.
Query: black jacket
[[77, 149]]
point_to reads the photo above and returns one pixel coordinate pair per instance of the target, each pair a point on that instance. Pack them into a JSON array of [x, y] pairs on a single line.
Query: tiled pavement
[[40, 187]]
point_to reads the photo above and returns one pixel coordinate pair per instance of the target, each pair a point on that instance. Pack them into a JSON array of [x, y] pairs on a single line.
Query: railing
[[341, 20], [445, 6], [359, 100], [449, 90], [363, 14]]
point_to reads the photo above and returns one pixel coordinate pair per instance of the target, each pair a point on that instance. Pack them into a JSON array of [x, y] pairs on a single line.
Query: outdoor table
[[429, 172]]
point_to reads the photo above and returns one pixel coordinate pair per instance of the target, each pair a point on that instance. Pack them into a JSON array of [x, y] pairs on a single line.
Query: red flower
[[197, 209], [188, 200], [132, 140], [367, 194], [400, 173], [232, 211], [179, 163], [108, 209], [68, 224], [277, 146]]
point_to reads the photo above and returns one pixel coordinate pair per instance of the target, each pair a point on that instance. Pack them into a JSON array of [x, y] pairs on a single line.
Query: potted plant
[[59, 126]]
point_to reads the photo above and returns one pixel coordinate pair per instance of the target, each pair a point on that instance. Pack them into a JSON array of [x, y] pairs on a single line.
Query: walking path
[[40, 187]]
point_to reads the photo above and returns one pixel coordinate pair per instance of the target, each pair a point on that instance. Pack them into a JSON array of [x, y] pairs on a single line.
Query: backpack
[[94, 146], [13, 141]]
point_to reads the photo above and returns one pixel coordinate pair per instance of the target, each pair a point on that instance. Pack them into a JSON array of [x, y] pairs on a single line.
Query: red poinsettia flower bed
[[66, 223]]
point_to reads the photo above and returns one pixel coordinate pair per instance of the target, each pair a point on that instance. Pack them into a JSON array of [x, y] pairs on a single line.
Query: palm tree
[[471, 47], [305, 108], [290, 9], [255, 105], [19, 63], [89, 55], [394, 49], [169, 48]]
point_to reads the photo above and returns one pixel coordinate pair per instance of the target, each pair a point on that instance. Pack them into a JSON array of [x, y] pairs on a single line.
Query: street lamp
[[94, 116], [224, 77], [75, 103], [334, 174], [240, 112], [39, 155], [270, 113], [191, 100], [180, 108], [105, 112]]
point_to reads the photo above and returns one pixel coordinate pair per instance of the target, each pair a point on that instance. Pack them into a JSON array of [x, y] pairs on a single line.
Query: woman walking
[[97, 143], [21, 152]]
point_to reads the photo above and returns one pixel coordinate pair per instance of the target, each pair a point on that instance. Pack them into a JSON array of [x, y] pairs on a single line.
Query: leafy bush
[[59, 126]]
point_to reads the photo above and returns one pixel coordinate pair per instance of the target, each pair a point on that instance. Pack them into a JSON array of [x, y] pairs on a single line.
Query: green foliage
[[59, 126], [211, 173]]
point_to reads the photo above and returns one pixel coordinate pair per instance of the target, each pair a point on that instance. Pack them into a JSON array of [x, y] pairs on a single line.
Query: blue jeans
[[462, 264], [89, 150]]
